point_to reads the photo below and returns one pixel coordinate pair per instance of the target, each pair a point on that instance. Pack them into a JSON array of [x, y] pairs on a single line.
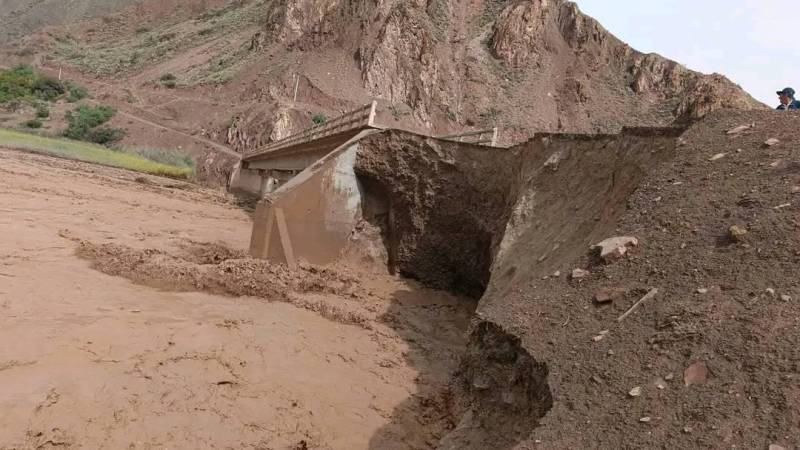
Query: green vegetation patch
[[22, 83], [168, 80], [319, 119], [92, 153], [76, 92], [34, 123], [84, 118], [42, 111]]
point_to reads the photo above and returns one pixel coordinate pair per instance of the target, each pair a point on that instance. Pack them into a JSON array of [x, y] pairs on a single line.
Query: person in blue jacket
[[787, 100]]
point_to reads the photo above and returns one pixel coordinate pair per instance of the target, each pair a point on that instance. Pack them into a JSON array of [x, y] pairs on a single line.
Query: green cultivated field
[[83, 151]]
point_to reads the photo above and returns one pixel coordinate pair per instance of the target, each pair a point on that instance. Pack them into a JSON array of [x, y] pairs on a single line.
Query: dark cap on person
[[789, 92]]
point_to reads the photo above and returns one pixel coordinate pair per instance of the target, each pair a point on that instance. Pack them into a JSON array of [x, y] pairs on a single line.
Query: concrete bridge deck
[[262, 170]]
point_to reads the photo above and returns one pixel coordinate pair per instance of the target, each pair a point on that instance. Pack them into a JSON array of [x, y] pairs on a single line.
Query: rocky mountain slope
[[439, 65]]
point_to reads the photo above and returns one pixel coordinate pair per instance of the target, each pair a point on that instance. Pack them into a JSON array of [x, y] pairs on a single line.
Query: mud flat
[[116, 335]]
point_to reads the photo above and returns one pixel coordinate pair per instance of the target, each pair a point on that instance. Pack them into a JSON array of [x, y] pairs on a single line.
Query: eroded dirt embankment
[[710, 361], [457, 216]]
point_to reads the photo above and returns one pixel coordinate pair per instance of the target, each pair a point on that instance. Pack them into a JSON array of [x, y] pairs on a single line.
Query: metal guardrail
[[491, 140], [360, 118]]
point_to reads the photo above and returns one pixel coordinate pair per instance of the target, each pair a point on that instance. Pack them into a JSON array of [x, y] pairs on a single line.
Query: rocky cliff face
[[532, 65]]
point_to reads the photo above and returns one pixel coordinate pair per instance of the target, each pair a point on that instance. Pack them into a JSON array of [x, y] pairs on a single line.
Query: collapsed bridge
[[471, 219], [436, 209]]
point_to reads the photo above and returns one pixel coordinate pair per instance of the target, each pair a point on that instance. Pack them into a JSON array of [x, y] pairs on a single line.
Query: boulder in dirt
[[614, 248], [608, 295], [772, 142], [718, 156], [737, 233], [600, 336], [695, 374], [580, 274], [635, 392]]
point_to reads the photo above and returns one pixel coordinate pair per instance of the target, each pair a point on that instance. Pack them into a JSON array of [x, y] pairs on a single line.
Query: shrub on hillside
[[105, 135], [84, 118], [16, 84], [76, 92], [47, 88], [34, 123], [22, 83], [319, 119], [42, 111], [168, 80]]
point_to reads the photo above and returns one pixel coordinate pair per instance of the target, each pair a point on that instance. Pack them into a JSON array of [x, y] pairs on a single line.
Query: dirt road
[[95, 361]]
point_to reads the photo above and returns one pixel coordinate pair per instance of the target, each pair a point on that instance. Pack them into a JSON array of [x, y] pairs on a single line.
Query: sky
[[755, 43]]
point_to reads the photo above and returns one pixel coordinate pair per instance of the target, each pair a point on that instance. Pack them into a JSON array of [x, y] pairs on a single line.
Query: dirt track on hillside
[[92, 360]]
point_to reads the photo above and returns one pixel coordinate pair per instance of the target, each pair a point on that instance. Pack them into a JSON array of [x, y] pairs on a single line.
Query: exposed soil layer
[[443, 206], [447, 207], [457, 213], [224, 352], [711, 361]]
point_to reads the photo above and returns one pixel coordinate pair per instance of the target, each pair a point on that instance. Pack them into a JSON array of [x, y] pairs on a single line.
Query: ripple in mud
[[214, 269]]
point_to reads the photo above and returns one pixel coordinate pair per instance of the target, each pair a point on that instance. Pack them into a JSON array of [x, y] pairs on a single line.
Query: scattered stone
[[645, 420], [600, 336], [661, 384], [740, 129], [795, 189], [785, 205], [670, 376], [579, 274], [557, 274], [608, 295], [702, 291], [771, 292], [615, 248], [786, 298], [597, 379], [737, 233], [776, 447], [718, 156], [687, 429], [635, 392], [611, 352], [555, 159], [772, 142], [695, 374]]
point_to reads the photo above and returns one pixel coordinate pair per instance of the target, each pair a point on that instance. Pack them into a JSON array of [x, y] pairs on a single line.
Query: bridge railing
[[488, 136], [358, 118]]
